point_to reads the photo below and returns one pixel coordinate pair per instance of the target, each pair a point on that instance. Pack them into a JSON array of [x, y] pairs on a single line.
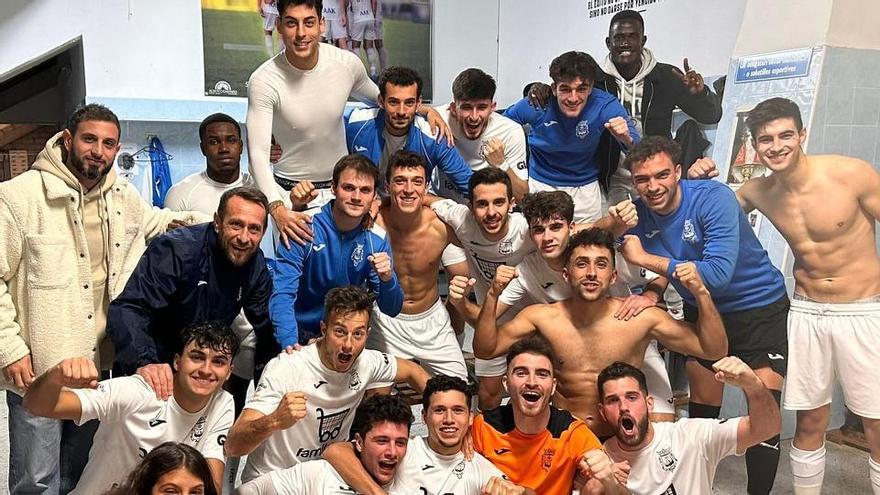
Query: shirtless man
[[826, 207], [583, 331]]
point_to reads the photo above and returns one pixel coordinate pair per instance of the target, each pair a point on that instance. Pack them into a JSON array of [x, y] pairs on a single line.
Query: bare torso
[[830, 233], [416, 249], [583, 349]]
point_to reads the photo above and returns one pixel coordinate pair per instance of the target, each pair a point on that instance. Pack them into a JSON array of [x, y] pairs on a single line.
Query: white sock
[[373, 58], [383, 57], [807, 470], [874, 472], [269, 45]]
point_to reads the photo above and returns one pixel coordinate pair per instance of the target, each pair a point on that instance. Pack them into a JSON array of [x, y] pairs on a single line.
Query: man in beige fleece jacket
[[72, 233]]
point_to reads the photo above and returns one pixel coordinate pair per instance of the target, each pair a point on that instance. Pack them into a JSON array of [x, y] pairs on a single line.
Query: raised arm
[[253, 427], [46, 397], [411, 373], [342, 458], [490, 340], [762, 406]]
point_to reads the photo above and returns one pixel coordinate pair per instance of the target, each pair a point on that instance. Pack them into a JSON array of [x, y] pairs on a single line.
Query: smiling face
[[400, 104], [91, 151], [240, 229], [201, 370], [382, 449], [625, 407], [354, 194], [656, 181], [590, 272], [551, 236], [572, 95], [779, 144], [300, 28], [530, 383], [625, 41], [344, 337], [407, 188], [491, 208], [473, 116], [448, 418]]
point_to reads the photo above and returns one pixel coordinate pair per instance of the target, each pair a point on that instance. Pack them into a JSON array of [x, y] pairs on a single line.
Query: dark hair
[[405, 159], [618, 370], [650, 146], [445, 383], [216, 118], [400, 76], [473, 84], [489, 176], [547, 205], [627, 15], [534, 344], [92, 111], [769, 110], [282, 5], [161, 460], [247, 193], [214, 335], [360, 164], [347, 299], [593, 236], [571, 65], [380, 408]]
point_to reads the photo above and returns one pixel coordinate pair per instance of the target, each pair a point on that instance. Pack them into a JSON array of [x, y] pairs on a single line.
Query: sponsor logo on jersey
[[547, 458], [501, 451], [582, 129], [354, 380], [357, 256], [775, 356], [521, 165], [318, 247], [550, 123], [320, 382], [546, 285], [329, 425], [688, 232], [156, 422], [360, 149], [651, 234], [667, 459], [427, 467], [221, 440], [482, 151]]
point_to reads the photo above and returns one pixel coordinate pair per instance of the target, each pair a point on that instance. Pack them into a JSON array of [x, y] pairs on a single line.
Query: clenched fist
[[302, 194], [500, 486], [382, 265], [688, 275], [703, 168], [733, 371], [503, 276], [78, 372], [459, 288], [291, 409], [596, 464], [493, 152], [618, 128], [624, 214]]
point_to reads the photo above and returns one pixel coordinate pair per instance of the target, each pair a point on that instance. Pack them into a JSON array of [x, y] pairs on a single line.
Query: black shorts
[[758, 336]]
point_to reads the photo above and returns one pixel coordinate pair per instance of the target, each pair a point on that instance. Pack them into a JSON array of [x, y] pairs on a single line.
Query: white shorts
[[334, 30], [828, 340], [453, 255], [426, 337], [587, 199], [490, 367], [269, 21], [654, 368], [361, 31]]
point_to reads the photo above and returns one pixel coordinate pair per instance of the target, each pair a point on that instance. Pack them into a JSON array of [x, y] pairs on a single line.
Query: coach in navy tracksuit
[[206, 272]]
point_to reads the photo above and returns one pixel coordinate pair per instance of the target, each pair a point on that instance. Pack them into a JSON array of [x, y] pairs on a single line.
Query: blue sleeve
[[256, 309], [288, 270], [615, 109], [719, 224], [148, 291], [350, 132], [451, 162], [523, 113], [389, 294]]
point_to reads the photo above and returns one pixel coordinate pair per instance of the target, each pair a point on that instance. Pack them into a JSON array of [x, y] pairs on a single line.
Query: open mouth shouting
[[345, 359], [531, 396], [627, 425]]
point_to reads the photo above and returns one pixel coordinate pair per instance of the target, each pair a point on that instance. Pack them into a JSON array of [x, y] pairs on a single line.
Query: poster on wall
[[239, 35]]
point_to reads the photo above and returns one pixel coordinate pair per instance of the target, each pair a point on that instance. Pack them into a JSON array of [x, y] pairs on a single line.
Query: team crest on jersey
[[329, 425], [198, 430], [688, 233], [547, 458], [582, 129], [354, 380], [482, 151], [667, 459], [357, 256], [505, 247], [458, 470]]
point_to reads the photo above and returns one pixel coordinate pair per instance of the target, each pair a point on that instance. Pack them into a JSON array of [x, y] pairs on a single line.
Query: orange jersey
[[545, 462]]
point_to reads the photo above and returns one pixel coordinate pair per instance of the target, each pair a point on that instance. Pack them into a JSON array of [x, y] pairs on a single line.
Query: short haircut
[[593, 236], [165, 458], [214, 335], [400, 76], [92, 111], [627, 15], [404, 159], [247, 193], [489, 176], [360, 164], [618, 370], [650, 146], [282, 5], [216, 118], [769, 110], [473, 84], [379, 409], [534, 344], [571, 65], [445, 383], [548, 205], [347, 299]]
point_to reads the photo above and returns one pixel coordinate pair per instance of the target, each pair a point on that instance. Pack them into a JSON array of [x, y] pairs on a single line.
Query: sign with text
[[780, 65]]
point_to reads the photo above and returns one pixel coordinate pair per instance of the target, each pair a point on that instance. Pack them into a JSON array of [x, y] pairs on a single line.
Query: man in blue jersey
[[378, 132], [564, 136], [346, 250], [702, 222]]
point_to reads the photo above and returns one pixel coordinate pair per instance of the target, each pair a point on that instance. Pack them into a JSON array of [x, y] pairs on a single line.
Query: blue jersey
[[304, 274], [710, 229], [562, 149]]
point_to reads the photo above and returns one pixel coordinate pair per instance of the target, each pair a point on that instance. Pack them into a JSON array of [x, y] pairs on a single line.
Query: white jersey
[[430, 473], [536, 283], [319, 478], [269, 8], [485, 256], [134, 422], [331, 10], [198, 192], [360, 11], [682, 457], [303, 110], [331, 400]]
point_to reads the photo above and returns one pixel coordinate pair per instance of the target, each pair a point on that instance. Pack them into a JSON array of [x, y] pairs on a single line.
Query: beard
[[90, 172], [641, 432]]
